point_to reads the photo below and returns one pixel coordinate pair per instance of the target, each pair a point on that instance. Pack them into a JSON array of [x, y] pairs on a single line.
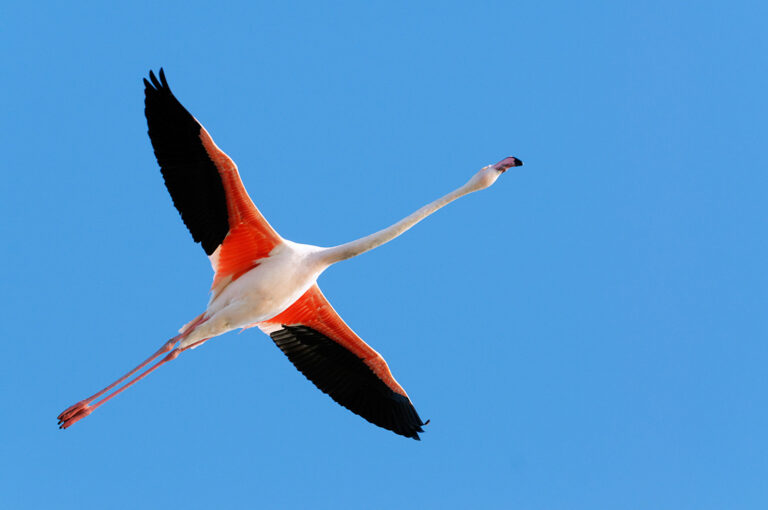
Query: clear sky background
[[590, 333]]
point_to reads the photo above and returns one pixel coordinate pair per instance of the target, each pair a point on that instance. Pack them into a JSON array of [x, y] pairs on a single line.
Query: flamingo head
[[507, 163], [488, 175]]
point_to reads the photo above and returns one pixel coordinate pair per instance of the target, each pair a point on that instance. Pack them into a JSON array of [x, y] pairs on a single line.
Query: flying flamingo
[[266, 281]]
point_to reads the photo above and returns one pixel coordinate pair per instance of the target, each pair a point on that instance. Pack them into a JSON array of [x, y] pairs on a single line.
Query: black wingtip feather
[[347, 380], [191, 177], [153, 79], [160, 84]]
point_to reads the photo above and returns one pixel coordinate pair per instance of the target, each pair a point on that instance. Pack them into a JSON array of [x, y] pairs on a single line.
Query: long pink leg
[[83, 408], [87, 409]]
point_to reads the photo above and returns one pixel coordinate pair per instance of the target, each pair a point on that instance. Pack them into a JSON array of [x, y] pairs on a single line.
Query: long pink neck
[[364, 244]]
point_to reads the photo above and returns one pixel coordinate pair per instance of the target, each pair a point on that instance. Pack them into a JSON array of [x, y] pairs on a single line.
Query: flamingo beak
[[506, 163]]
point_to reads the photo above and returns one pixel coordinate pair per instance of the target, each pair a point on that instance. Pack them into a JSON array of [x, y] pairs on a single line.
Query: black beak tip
[[517, 162]]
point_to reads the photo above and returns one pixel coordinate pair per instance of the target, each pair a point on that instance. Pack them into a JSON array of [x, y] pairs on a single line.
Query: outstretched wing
[[205, 186], [339, 363]]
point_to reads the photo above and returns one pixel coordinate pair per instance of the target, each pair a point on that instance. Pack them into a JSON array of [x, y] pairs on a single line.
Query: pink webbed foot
[[74, 413]]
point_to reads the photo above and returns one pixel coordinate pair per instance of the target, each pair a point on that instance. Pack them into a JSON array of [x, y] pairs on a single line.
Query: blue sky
[[588, 333]]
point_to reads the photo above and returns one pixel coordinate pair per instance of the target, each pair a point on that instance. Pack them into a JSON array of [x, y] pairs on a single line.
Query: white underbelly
[[261, 293]]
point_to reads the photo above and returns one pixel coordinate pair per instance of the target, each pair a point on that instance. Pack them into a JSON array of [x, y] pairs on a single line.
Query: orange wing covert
[[250, 236]]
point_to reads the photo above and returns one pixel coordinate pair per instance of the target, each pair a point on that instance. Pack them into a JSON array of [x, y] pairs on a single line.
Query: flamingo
[[263, 280]]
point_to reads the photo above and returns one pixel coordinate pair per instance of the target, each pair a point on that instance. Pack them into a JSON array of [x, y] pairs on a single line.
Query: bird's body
[[266, 281], [263, 292]]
